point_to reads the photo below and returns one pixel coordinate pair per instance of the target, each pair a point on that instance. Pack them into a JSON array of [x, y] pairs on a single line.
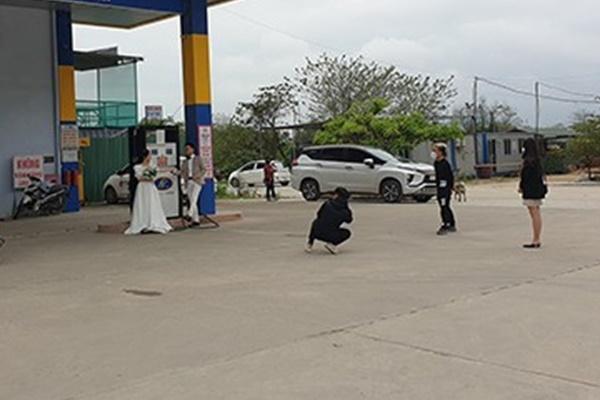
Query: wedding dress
[[148, 214]]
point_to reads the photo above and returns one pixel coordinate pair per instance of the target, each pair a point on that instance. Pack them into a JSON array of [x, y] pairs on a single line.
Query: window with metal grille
[[507, 147]]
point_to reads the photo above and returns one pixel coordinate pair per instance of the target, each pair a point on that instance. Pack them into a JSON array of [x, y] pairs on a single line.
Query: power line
[[567, 91], [592, 98], [343, 51], [532, 94], [532, 77], [505, 87], [281, 32], [580, 77], [315, 43]]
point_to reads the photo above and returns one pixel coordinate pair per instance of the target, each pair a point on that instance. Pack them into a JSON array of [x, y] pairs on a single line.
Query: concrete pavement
[[243, 313]]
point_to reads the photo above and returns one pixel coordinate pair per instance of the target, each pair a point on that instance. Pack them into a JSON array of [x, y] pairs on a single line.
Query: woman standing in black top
[[533, 189], [445, 184]]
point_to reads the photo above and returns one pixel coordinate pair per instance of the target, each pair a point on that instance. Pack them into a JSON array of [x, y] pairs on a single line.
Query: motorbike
[[41, 199]]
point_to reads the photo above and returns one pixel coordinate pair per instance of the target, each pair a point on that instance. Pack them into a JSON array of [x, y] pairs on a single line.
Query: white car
[[116, 187], [251, 175], [361, 170]]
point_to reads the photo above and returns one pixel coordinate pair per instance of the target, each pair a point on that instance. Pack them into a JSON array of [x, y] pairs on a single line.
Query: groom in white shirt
[[193, 172]]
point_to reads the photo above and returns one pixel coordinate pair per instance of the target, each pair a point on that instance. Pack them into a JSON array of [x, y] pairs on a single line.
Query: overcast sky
[[257, 42]]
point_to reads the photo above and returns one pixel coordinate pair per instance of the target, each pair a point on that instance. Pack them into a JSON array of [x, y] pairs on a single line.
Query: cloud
[[514, 41], [406, 54]]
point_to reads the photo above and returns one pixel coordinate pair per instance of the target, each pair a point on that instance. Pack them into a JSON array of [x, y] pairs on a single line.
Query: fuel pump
[[163, 144]]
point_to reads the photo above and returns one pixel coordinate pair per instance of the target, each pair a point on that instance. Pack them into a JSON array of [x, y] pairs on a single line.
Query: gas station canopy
[[39, 79], [114, 13]]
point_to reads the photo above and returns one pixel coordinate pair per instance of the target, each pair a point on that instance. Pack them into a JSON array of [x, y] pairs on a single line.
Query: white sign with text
[[206, 149], [26, 166]]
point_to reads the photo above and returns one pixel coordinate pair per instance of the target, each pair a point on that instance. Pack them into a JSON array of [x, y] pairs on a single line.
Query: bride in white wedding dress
[[148, 215]]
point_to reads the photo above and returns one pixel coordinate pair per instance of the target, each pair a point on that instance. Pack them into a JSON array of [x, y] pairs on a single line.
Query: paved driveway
[[243, 313]]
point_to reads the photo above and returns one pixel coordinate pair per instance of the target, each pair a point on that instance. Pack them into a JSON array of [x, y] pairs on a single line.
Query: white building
[[498, 152]]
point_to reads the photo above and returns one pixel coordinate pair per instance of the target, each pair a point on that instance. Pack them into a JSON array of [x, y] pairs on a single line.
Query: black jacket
[[331, 215], [532, 181], [444, 177]]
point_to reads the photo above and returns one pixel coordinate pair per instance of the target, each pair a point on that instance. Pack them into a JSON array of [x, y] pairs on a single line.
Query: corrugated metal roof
[[102, 58]]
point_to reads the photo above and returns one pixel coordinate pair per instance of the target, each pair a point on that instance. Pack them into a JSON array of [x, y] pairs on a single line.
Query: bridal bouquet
[[150, 173]]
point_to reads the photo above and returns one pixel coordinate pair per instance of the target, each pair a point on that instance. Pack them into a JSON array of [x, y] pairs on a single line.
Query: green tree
[[584, 150], [428, 96], [234, 145], [329, 86], [270, 108], [367, 123]]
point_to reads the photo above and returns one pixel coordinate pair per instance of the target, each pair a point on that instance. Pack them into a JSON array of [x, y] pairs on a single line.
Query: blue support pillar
[[453, 159], [485, 144], [66, 95], [197, 89]]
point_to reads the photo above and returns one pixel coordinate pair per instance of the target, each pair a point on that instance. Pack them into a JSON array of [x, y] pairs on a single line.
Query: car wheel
[[286, 183], [310, 190], [235, 182], [391, 191], [110, 195], [422, 199]]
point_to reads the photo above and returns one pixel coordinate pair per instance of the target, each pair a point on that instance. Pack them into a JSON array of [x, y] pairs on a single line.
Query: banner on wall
[[205, 147], [26, 166], [69, 143]]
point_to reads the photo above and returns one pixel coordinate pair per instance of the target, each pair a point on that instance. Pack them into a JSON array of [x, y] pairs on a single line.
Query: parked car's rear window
[[247, 167], [334, 154], [347, 155], [327, 154], [315, 154], [355, 156]]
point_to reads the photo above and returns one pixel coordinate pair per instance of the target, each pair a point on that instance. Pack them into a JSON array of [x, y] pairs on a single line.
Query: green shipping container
[[103, 158]]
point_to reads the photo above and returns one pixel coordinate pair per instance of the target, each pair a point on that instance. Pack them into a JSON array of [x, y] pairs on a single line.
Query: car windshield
[[383, 155]]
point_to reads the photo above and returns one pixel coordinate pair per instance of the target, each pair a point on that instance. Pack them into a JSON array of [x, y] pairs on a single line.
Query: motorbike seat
[[56, 189]]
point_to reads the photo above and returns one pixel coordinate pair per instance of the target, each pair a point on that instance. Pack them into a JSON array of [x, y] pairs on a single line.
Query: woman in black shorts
[[533, 189]]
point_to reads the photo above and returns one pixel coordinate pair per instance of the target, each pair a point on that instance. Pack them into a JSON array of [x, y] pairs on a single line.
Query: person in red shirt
[[269, 180]]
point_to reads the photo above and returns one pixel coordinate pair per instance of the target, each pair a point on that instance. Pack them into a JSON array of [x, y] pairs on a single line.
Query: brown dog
[[460, 192]]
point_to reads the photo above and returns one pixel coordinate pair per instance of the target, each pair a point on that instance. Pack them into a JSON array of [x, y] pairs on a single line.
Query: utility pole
[[474, 118], [537, 107], [475, 101]]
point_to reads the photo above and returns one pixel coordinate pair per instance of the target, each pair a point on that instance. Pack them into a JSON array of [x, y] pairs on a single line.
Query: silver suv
[[361, 170]]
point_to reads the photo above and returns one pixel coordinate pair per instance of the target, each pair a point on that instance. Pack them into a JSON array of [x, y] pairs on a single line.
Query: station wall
[[27, 94]]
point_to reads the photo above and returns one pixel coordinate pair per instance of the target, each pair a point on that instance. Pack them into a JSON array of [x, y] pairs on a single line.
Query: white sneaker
[[308, 248], [331, 248]]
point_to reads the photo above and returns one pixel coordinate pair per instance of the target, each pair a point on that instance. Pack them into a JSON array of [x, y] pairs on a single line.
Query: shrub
[[556, 162]]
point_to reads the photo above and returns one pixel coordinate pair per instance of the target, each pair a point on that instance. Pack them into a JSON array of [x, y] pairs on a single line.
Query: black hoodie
[[444, 177], [532, 181], [332, 214]]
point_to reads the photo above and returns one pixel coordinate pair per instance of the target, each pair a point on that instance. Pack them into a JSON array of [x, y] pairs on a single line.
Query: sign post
[[26, 166], [206, 149], [153, 113], [69, 143]]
